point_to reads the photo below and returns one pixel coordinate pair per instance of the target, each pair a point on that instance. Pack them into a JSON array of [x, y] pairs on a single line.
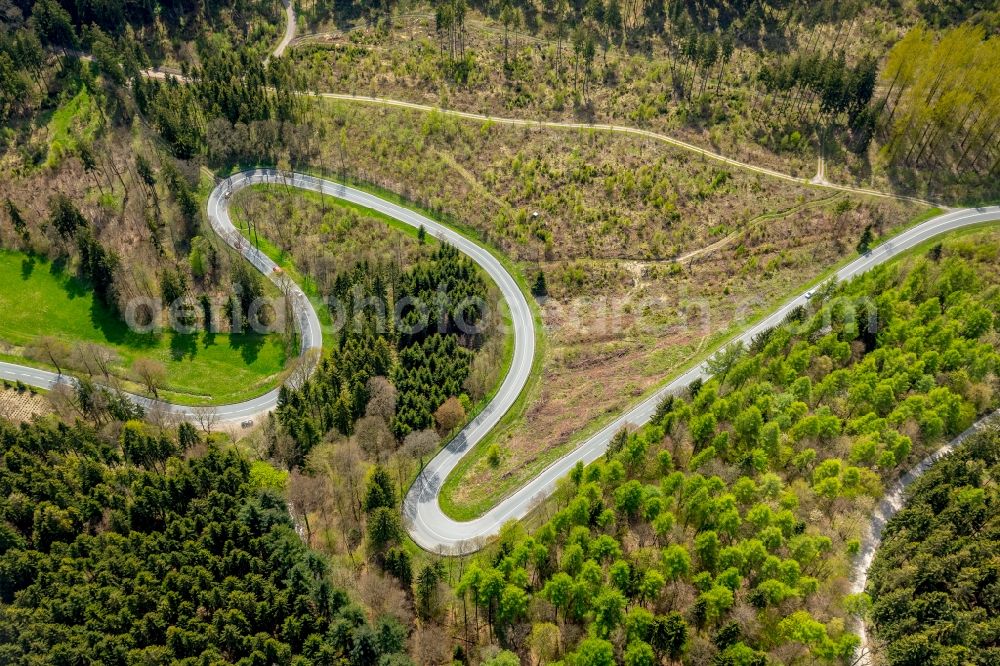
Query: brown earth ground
[[647, 251], [21, 406], [605, 351], [630, 85]]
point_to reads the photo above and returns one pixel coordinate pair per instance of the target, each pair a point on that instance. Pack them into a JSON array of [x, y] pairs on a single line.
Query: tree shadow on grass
[[208, 339], [28, 267], [248, 344], [116, 331], [74, 286], [183, 345]]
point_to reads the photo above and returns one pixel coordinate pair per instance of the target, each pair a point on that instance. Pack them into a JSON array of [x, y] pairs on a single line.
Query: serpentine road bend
[[435, 531], [306, 320], [426, 522]]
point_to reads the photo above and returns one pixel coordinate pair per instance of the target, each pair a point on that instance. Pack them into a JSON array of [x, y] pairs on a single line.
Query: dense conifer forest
[[424, 347], [935, 582], [130, 551]]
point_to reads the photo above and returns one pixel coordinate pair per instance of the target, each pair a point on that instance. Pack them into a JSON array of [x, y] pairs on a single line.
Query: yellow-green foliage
[[744, 497], [264, 476], [942, 95], [76, 121]]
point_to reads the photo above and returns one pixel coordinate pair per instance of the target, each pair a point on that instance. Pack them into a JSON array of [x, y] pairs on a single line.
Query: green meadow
[[39, 297]]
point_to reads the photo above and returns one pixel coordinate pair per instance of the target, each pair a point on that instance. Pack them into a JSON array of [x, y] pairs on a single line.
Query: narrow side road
[[893, 501], [290, 26], [819, 181]]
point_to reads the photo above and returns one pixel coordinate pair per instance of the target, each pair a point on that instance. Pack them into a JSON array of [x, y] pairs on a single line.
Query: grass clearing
[[202, 367]]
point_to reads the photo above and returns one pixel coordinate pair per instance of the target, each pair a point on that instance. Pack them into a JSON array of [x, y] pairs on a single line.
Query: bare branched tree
[[49, 349], [162, 416], [306, 493], [288, 297], [150, 374], [206, 416], [301, 367], [62, 398], [374, 438], [420, 444], [382, 398], [94, 359]]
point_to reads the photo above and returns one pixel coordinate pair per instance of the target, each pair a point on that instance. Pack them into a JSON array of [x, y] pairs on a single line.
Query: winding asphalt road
[[306, 320], [435, 531], [427, 523]]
